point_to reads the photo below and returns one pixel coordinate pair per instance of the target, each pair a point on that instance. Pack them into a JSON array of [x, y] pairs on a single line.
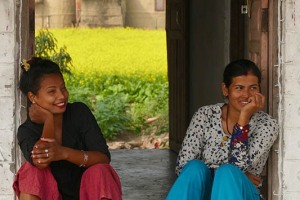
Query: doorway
[[158, 169], [251, 33]]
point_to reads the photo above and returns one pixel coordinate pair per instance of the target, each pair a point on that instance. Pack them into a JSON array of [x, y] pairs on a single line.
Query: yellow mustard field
[[116, 51]]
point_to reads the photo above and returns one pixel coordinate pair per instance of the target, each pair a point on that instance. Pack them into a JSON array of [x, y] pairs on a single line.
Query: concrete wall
[[102, 13], [55, 13], [7, 96], [142, 14], [90, 13], [289, 110], [16, 39]]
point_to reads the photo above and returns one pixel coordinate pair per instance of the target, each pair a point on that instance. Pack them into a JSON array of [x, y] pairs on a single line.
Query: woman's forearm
[[84, 158], [48, 129]]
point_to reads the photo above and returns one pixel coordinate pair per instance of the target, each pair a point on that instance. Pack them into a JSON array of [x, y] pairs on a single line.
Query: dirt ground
[[128, 140]]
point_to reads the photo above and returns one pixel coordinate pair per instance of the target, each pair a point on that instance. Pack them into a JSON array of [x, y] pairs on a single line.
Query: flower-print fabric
[[205, 141]]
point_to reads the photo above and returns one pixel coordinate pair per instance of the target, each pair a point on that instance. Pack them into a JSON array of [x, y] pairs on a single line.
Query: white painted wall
[[289, 110], [8, 56]]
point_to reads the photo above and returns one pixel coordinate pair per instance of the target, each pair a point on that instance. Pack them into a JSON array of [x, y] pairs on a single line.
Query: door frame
[[238, 38]]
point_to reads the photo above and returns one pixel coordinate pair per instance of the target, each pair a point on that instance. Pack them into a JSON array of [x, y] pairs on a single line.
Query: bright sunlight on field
[[116, 50]]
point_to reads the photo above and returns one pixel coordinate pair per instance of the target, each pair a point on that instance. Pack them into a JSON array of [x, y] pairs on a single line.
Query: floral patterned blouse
[[205, 140]]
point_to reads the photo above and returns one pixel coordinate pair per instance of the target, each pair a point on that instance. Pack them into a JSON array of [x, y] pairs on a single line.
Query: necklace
[[226, 137]]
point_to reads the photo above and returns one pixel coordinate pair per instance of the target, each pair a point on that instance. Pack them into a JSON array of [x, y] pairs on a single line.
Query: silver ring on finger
[[46, 150], [47, 155]]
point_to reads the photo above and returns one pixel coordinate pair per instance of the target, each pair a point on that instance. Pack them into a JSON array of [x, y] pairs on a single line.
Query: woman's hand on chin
[[38, 114]]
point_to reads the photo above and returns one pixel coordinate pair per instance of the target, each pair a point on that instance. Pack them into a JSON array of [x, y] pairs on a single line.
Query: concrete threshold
[[146, 174]]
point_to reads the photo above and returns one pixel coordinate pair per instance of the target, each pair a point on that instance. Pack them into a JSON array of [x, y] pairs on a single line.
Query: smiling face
[[52, 94], [239, 91]]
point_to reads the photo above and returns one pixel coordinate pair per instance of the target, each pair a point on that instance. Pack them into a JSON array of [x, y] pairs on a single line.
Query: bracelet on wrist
[[85, 158], [244, 128], [240, 134]]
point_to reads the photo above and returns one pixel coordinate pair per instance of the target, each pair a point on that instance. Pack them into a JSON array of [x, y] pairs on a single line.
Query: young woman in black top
[[66, 154]]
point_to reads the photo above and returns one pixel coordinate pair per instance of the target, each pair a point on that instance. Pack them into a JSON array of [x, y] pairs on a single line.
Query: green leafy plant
[[46, 47], [111, 115], [123, 103]]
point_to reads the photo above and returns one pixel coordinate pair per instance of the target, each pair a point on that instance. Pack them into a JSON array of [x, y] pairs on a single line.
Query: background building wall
[[79, 13], [143, 14], [289, 109], [148, 14], [102, 13], [55, 13]]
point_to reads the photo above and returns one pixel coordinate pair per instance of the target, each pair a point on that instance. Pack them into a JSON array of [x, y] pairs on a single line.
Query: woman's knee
[[196, 164], [98, 169], [227, 168], [99, 173], [100, 180], [33, 182], [196, 167], [228, 172], [30, 173]]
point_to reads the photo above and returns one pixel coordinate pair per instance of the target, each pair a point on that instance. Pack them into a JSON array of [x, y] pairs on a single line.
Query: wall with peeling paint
[[289, 109], [16, 43], [7, 96]]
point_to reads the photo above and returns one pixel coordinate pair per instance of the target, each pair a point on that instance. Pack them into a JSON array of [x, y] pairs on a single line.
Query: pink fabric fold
[[98, 182], [38, 182]]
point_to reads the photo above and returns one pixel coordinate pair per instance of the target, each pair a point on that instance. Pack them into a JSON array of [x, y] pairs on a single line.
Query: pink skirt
[[98, 182]]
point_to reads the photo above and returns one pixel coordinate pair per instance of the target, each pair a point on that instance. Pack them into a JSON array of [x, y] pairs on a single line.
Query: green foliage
[[154, 105], [45, 44], [111, 115], [46, 47], [121, 74], [122, 102]]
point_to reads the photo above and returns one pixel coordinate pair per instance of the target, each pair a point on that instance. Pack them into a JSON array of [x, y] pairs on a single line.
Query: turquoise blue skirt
[[197, 182]]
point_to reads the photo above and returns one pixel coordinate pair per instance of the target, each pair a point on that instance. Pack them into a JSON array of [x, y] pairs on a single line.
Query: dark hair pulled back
[[239, 68], [33, 71]]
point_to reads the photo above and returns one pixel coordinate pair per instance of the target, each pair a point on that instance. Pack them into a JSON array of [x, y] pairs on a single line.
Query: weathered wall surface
[[142, 14], [79, 13], [289, 51], [55, 14], [16, 39], [102, 13], [7, 96]]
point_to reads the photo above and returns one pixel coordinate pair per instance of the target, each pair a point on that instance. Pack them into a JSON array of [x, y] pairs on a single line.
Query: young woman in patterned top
[[227, 144]]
